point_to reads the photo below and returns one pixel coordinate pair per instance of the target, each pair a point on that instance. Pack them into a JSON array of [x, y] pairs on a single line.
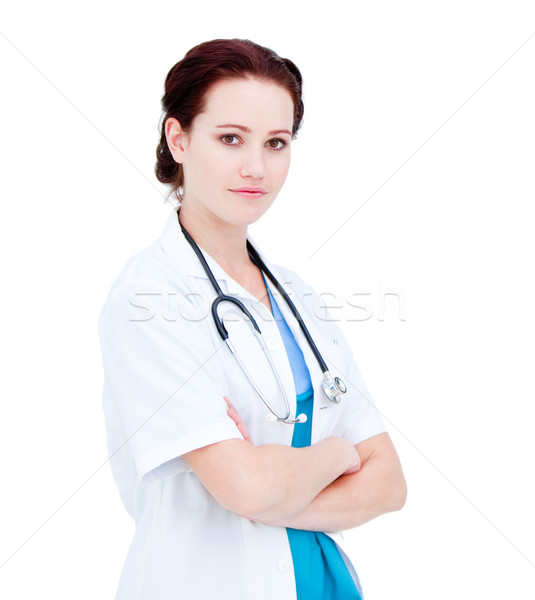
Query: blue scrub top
[[320, 572]]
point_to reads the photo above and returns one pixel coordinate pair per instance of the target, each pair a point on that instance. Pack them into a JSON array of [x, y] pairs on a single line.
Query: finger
[[233, 416], [233, 413], [231, 408], [244, 432], [240, 425], [229, 404]]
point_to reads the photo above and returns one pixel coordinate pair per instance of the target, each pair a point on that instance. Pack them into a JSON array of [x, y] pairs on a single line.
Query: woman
[[234, 495]]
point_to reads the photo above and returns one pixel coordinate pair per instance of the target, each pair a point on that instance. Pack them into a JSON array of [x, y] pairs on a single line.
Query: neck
[[225, 243]]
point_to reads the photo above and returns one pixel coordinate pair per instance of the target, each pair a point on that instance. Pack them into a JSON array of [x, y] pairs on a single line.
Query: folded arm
[[379, 487], [272, 482], [330, 486]]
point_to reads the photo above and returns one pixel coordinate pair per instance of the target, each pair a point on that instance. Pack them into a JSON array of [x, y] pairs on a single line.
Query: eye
[[229, 139], [277, 144]]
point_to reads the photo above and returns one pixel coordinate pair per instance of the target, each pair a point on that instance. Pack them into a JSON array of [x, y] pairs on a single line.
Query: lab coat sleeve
[[164, 382]]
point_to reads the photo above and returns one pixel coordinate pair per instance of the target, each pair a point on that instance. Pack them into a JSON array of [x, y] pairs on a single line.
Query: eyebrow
[[247, 130]]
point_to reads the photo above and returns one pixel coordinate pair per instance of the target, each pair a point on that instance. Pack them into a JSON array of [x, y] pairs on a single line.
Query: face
[[237, 153]]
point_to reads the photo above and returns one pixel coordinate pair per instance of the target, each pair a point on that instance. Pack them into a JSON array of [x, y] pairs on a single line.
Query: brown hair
[[188, 82]]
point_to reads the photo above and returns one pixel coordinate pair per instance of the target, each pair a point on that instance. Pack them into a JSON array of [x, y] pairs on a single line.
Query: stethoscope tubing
[[332, 388], [255, 257], [221, 297]]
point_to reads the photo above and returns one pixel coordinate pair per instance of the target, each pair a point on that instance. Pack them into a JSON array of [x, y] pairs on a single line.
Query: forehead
[[248, 102]]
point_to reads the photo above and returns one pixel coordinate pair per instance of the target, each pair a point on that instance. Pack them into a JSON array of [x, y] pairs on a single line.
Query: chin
[[245, 216]]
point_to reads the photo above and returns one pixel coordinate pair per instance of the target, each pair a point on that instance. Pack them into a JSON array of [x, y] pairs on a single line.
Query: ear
[[176, 139]]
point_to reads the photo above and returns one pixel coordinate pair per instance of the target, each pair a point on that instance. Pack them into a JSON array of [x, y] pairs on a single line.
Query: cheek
[[281, 168], [220, 158], [210, 167]]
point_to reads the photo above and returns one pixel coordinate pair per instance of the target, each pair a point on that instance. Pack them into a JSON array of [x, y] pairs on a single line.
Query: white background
[[448, 356]]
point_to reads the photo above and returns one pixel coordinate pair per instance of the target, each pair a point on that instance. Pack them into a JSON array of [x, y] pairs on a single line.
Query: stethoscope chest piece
[[333, 388]]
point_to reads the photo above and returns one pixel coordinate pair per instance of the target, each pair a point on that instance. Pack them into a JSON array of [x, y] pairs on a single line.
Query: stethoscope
[[333, 387]]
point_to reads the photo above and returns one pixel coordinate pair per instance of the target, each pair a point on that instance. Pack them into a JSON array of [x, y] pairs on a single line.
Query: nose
[[253, 165]]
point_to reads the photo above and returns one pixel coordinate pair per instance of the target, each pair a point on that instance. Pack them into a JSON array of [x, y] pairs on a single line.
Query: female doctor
[[240, 470]]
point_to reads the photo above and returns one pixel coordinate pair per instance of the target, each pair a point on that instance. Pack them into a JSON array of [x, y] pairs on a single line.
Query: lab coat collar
[[175, 245], [177, 249]]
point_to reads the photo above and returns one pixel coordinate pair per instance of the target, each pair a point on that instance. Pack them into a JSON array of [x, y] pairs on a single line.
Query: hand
[[235, 416], [356, 467]]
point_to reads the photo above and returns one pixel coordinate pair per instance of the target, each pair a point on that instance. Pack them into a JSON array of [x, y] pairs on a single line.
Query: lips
[[249, 191]]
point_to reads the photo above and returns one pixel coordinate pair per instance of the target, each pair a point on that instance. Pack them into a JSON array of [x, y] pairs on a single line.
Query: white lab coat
[[166, 371]]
